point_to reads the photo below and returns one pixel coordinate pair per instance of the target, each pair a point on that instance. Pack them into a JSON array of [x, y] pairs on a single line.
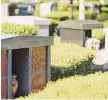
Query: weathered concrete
[[19, 42], [78, 30], [80, 24]]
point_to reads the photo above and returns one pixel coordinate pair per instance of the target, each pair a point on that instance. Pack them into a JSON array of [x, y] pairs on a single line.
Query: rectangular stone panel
[[3, 87], [38, 58], [36, 89], [69, 35], [38, 68], [3, 63], [38, 80], [4, 72]]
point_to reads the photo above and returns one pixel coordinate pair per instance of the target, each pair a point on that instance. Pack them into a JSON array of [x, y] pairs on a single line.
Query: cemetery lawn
[[62, 53], [92, 86], [68, 59], [98, 33]]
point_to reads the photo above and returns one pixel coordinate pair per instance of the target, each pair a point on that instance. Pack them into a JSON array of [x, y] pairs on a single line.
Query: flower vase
[[14, 85]]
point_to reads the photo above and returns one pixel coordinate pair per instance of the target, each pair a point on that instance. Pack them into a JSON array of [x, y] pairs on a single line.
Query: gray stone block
[[106, 66], [19, 42], [80, 24], [78, 30]]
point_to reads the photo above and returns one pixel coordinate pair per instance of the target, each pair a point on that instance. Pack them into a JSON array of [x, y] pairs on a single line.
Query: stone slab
[[80, 24], [27, 20], [4, 72], [19, 42], [75, 36]]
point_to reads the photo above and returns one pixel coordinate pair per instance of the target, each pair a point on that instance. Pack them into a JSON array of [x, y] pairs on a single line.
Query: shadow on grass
[[61, 72]]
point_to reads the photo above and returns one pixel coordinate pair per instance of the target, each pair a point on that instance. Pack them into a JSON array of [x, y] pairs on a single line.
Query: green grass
[[68, 59], [63, 54], [98, 33], [93, 86], [106, 23], [57, 15]]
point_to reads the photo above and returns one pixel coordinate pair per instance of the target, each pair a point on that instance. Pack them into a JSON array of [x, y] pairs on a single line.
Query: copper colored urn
[[14, 85]]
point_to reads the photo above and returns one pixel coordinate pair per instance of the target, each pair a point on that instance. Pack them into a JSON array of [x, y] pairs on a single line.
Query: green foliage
[[11, 28], [42, 1], [55, 17], [98, 33], [25, 1], [53, 26], [76, 7], [4, 1], [102, 16], [55, 21], [90, 15], [60, 15], [68, 59], [16, 11], [93, 86], [64, 7], [106, 23], [75, 14], [104, 9], [106, 1], [64, 14], [37, 11]]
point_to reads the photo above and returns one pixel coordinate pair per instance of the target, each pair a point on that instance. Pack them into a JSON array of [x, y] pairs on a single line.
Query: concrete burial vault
[[78, 30], [28, 57]]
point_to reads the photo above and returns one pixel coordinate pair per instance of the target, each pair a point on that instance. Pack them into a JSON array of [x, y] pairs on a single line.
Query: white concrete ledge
[[28, 20]]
